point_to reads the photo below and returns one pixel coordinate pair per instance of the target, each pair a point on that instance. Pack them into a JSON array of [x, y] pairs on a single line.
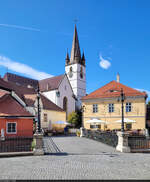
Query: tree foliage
[[73, 118]]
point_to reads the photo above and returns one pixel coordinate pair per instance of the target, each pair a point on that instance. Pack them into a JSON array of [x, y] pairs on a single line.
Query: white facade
[[76, 74], [64, 90]]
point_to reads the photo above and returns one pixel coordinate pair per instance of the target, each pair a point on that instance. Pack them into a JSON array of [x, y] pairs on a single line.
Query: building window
[[95, 126], [95, 108], [128, 126], [110, 107], [128, 107], [11, 127], [45, 117]]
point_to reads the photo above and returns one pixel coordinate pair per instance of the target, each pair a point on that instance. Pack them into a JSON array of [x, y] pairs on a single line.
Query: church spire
[[75, 52], [83, 59], [67, 58]]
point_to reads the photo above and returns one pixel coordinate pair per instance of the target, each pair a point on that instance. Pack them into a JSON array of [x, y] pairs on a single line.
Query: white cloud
[[20, 27], [105, 64], [22, 68]]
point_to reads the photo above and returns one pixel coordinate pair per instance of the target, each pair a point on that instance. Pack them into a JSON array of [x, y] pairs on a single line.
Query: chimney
[[118, 78]]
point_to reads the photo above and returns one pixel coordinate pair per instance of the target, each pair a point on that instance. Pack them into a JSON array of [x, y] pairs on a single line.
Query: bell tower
[[76, 71]]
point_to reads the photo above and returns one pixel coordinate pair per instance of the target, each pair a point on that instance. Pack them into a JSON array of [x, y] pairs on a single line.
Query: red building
[[14, 119]]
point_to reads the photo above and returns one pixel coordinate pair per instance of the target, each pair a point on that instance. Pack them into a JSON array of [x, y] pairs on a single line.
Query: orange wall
[[24, 126]]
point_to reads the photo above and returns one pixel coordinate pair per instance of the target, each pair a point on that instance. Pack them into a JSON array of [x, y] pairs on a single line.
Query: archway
[[65, 105]]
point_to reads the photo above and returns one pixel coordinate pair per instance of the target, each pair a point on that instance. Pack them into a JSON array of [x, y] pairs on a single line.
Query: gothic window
[[65, 103], [81, 73], [70, 72]]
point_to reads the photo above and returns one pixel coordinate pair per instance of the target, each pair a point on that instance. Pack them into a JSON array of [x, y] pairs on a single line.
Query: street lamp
[[39, 111], [82, 110], [122, 108]]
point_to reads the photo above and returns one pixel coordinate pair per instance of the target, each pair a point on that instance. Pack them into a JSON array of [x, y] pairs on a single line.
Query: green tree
[[73, 118]]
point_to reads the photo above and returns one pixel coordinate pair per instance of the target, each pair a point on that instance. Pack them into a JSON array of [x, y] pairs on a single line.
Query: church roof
[[50, 83], [20, 80], [111, 90], [49, 105]]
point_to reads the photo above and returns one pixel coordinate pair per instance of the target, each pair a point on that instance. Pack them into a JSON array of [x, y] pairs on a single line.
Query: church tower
[[75, 70]]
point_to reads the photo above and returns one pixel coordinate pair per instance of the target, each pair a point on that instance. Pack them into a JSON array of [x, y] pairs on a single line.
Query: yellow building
[[50, 112], [102, 108]]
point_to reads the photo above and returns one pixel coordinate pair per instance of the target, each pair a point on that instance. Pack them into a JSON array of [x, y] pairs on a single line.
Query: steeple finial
[[75, 51], [67, 58], [83, 59]]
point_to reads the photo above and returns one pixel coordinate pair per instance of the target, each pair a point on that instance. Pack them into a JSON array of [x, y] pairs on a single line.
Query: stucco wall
[[138, 113], [24, 126], [52, 116]]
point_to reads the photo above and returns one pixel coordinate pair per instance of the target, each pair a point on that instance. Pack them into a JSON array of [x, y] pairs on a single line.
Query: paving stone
[[84, 159]]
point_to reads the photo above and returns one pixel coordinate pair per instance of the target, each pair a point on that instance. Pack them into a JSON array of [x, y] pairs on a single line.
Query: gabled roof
[[112, 89], [20, 80], [10, 107], [49, 105], [50, 83]]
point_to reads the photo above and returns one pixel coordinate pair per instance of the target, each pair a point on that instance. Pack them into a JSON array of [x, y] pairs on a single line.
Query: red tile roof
[[112, 89], [50, 83], [10, 107]]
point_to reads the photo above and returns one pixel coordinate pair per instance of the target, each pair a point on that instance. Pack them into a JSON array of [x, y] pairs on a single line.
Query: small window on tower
[[81, 73], [71, 72]]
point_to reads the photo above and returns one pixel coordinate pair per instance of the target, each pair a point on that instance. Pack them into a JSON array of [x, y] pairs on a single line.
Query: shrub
[[73, 118]]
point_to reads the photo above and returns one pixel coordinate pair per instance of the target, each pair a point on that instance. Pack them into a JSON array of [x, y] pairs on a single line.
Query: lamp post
[[39, 111], [82, 110], [122, 108]]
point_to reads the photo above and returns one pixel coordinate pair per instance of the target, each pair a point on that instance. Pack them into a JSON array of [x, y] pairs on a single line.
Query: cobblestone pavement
[[79, 158]]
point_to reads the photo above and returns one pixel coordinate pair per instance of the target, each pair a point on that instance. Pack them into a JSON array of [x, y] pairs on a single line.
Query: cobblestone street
[[76, 158]]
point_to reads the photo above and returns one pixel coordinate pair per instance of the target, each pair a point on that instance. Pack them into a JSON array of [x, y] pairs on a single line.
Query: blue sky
[[37, 33]]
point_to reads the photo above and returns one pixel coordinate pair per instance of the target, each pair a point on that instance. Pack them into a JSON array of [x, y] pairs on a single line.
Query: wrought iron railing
[[15, 143], [139, 142]]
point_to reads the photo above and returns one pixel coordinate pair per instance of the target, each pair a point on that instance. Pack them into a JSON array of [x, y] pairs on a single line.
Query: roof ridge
[[19, 76], [50, 77]]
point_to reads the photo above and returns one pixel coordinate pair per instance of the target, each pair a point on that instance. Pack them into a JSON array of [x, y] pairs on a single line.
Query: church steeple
[[67, 58], [83, 59], [75, 52]]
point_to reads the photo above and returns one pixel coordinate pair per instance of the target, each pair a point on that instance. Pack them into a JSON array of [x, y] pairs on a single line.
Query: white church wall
[[66, 91], [51, 95]]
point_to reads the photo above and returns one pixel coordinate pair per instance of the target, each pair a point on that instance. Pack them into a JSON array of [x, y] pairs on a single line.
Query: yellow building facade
[[49, 117], [104, 104]]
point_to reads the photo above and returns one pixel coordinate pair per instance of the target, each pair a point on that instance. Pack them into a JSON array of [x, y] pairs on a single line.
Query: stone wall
[[107, 137]]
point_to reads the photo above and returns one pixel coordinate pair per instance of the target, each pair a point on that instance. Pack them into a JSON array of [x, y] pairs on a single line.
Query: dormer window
[[113, 90]]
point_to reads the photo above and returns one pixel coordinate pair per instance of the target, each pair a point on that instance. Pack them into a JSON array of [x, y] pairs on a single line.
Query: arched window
[[65, 103]]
